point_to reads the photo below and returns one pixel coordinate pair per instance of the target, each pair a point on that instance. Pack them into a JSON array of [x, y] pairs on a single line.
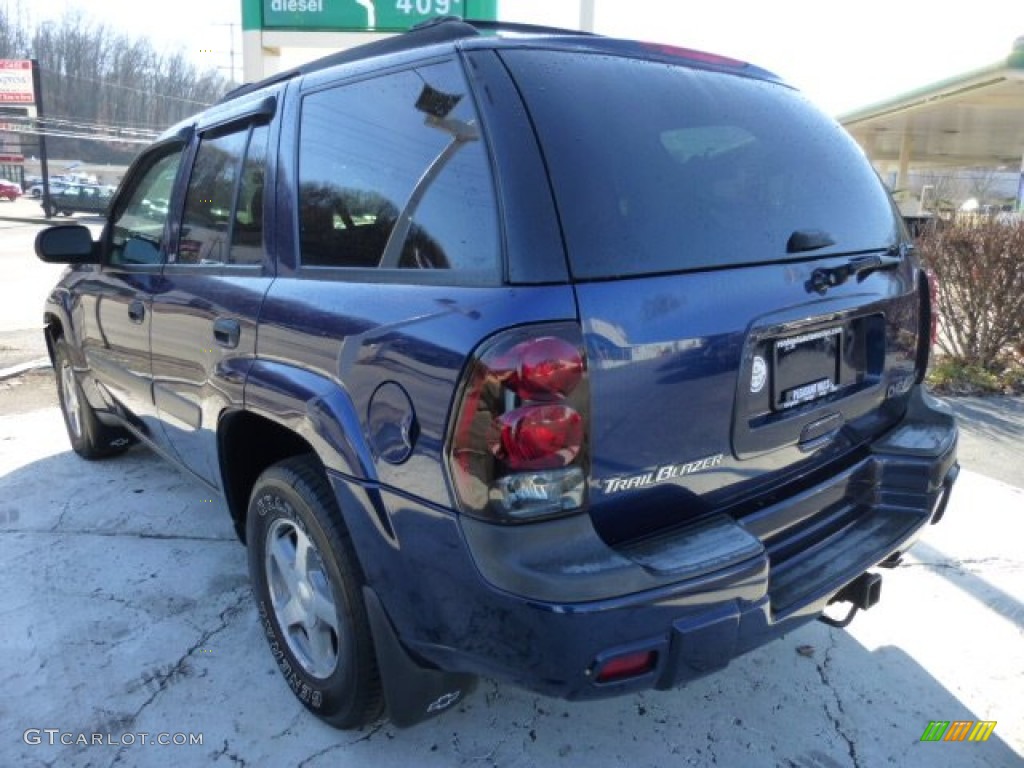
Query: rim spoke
[[323, 608], [282, 551], [293, 613], [321, 648], [302, 547], [71, 404]]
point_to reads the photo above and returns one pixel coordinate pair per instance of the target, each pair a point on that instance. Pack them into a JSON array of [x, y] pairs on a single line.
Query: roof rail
[[515, 26], [440, 30]]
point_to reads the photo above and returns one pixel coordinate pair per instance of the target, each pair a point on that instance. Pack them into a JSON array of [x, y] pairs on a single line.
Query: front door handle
[[226, 332], [136, 311]]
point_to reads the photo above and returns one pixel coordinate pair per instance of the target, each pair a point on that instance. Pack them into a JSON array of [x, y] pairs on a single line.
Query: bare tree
[[94, 76]]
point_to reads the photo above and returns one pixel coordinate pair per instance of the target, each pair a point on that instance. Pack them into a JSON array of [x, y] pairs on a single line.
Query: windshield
[[661, 168]]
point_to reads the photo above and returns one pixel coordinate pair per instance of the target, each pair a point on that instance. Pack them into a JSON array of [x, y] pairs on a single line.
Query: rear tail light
[[518, 446]]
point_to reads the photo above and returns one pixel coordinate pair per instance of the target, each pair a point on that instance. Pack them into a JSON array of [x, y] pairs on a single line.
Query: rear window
[[660, 168]]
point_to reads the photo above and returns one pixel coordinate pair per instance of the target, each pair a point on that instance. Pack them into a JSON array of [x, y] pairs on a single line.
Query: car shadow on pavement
[[995, 416], [127, 610]]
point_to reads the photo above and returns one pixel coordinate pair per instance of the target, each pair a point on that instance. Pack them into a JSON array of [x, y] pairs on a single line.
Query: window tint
[[209, 201], [137, 232], [659, 168], [393, 173], [247, 234]]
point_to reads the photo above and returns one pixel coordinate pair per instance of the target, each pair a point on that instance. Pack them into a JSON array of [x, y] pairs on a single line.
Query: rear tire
[[89, 438], [308, 588]]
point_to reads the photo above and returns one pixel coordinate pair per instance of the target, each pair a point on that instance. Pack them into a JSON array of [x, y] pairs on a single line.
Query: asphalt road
[[127, 611]]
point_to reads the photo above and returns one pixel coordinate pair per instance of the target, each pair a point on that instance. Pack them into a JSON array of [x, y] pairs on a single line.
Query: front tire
[[89, 438], [308, 588]]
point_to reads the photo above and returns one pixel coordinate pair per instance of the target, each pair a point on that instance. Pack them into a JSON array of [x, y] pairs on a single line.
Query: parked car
[[36, 190], [9, 190], [494, 379], [77, 198]]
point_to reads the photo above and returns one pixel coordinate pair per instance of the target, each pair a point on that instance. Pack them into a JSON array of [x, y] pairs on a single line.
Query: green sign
[[368, 15]]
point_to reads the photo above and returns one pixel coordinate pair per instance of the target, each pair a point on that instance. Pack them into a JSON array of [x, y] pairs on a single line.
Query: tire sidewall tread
[[352, 696]]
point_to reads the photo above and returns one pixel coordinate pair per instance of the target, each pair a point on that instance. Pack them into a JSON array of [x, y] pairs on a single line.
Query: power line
[[109, 84], [70, 130]]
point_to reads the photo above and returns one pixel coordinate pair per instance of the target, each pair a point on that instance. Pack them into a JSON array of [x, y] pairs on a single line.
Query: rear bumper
[[545, 605]]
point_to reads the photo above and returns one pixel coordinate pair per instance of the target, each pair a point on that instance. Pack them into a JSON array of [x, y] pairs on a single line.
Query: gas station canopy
[[972, 120]]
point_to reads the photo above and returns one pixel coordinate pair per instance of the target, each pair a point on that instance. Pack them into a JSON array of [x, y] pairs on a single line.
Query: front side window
[[137, 231], [393, 174]]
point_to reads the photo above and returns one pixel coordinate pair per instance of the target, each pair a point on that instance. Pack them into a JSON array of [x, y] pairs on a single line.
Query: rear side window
[[223, 222], [393, 174], [661, 168]]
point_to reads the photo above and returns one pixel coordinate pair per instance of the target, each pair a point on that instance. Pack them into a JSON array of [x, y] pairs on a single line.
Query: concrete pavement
[[126, 610]]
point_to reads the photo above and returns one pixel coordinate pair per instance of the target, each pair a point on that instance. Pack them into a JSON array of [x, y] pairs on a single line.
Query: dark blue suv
[[579, 363]]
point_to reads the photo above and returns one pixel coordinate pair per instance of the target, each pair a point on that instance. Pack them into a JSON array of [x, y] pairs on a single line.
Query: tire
[[89, 438], [314, 616]]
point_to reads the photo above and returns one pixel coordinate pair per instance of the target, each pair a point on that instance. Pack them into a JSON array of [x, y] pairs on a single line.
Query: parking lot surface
[[127, 611]]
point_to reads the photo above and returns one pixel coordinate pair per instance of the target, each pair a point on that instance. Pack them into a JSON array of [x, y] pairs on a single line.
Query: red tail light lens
[[545, 368], [538, 437], [517, 448]]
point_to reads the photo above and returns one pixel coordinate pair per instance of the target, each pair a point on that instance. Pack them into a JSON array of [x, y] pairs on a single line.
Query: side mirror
[[68, 244]]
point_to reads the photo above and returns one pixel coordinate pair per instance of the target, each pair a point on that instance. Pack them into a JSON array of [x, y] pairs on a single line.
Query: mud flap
[[413, 692]]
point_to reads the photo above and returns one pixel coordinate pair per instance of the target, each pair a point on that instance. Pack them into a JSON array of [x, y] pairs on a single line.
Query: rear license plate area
[[806, 367]]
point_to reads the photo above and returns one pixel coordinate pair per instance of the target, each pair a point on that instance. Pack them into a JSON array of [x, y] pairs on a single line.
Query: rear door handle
[[136, 311], [226, 332]]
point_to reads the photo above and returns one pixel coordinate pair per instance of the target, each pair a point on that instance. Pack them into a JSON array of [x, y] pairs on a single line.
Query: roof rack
[[442, 29]]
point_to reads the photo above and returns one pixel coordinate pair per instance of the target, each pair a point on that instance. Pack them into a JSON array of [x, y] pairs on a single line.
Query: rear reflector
[[626, 666]]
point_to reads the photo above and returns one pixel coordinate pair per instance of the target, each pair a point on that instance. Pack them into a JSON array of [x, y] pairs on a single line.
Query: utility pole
[[587, 15], [231, 51], [37, 91]]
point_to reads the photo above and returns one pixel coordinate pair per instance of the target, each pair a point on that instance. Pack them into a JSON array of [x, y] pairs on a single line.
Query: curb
[[32, 365], [26, 220]]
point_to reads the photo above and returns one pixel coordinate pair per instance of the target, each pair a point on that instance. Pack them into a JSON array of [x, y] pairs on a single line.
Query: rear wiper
[[860, 267]]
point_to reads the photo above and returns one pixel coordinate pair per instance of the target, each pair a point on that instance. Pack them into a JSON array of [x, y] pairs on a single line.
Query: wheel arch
[[248, 443], [287, 412]]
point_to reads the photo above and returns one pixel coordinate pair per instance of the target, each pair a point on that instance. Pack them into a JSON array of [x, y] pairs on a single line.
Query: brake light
[[690, 54], [544, 368], [538, 437], [517, 449]]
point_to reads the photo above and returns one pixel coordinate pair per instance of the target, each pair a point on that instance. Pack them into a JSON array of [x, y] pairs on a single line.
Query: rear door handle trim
[[136, 311], [226, 332]]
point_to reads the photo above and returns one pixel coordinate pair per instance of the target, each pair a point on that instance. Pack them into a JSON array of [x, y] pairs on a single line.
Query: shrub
[[979, 266]]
